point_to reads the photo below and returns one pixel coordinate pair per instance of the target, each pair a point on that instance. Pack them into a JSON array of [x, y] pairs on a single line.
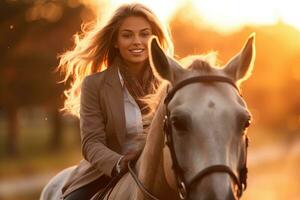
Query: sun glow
[[224, 16], [163, 9], [233, 14]]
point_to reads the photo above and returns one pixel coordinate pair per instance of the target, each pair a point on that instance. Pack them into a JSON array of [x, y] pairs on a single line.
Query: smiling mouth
[[136, 50]]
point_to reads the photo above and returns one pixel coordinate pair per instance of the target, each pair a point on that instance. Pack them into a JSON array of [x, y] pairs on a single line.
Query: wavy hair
[[94, 50]]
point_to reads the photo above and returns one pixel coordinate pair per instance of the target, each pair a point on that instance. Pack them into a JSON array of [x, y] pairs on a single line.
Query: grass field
[[274, 162], [23, 176]]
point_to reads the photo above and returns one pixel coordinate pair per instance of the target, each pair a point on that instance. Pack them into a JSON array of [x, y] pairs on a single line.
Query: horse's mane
[[205, 63]]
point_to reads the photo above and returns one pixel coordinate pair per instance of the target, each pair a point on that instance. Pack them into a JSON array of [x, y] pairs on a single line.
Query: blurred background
[[37, 141]]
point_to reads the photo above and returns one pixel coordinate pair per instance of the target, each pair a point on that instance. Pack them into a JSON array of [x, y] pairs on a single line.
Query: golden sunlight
[[225, 16], [163, 9], [232, 14]]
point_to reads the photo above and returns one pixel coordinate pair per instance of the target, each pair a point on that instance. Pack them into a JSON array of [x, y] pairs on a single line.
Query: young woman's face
[[132, 40]]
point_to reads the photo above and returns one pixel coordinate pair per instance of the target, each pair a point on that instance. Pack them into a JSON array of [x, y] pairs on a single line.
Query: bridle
[[183, 186]]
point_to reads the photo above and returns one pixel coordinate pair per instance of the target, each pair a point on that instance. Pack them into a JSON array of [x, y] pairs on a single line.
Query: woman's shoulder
[[96, 78], [108, 76]]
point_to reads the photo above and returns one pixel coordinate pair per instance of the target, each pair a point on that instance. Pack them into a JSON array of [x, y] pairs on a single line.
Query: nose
[[136, 40], [217, 186]]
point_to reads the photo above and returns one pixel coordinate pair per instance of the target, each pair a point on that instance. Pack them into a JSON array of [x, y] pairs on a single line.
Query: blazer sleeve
[[92, 128]]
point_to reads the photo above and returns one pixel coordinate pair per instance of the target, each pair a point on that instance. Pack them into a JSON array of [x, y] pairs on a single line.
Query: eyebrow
[[128, 30]]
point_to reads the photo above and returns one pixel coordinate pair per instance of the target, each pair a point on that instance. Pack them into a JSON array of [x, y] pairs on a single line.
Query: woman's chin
[[138, 60]]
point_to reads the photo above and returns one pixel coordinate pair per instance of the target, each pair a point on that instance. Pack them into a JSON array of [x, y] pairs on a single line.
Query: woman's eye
[[126, 35], [145, 34]]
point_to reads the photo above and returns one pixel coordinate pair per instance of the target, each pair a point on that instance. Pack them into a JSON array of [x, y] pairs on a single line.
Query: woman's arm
[[92, 128]]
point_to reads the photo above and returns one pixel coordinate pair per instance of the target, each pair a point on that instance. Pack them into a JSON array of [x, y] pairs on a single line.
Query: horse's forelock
[[203, 63], [200, 65]]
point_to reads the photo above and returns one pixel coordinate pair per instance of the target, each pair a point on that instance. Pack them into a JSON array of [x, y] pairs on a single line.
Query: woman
[[111, 113]]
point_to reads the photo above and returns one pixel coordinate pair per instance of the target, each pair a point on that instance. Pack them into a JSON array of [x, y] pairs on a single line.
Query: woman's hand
[[132, 153], [129, 156]]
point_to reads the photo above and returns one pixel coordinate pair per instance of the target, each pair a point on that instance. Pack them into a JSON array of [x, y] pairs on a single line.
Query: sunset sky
[[225, 16]]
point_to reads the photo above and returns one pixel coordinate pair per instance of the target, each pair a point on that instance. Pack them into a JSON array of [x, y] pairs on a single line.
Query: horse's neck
[[150, 165]]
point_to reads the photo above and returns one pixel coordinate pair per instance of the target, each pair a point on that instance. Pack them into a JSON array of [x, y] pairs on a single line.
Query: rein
[[183, 186], [140, 184]]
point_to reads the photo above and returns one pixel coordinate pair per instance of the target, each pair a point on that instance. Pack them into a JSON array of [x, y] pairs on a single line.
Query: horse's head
[[207, 119]]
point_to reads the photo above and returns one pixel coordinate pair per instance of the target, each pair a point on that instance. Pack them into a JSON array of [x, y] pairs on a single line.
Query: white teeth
[[136, 50]]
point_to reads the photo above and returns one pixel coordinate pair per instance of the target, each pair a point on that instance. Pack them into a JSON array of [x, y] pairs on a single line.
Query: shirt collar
[[121, 78]]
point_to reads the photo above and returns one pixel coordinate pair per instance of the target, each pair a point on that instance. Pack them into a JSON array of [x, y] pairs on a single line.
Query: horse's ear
[[163, 66], [241, 65]]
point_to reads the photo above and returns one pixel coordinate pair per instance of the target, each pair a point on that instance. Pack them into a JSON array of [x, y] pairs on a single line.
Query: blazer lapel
[[116, 103]]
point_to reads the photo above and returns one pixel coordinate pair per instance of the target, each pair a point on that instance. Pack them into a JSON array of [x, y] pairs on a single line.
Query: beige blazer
[[102, 127]]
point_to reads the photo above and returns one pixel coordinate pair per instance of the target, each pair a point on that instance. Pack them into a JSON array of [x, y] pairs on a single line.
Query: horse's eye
[[179, 123]]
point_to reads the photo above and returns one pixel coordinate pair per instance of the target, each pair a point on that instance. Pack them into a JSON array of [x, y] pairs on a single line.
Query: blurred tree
[[31, 36]]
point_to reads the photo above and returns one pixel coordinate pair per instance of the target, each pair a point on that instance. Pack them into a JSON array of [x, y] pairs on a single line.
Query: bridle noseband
[[183, 186]]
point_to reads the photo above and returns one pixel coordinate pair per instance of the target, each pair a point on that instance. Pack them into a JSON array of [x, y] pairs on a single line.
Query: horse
[[196, 146]]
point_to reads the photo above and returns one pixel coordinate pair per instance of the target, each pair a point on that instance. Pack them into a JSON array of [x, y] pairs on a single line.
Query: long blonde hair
[[94, 50]]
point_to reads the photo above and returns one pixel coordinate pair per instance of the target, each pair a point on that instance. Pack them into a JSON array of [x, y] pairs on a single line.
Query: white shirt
[[134, 124], [133, 115]]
